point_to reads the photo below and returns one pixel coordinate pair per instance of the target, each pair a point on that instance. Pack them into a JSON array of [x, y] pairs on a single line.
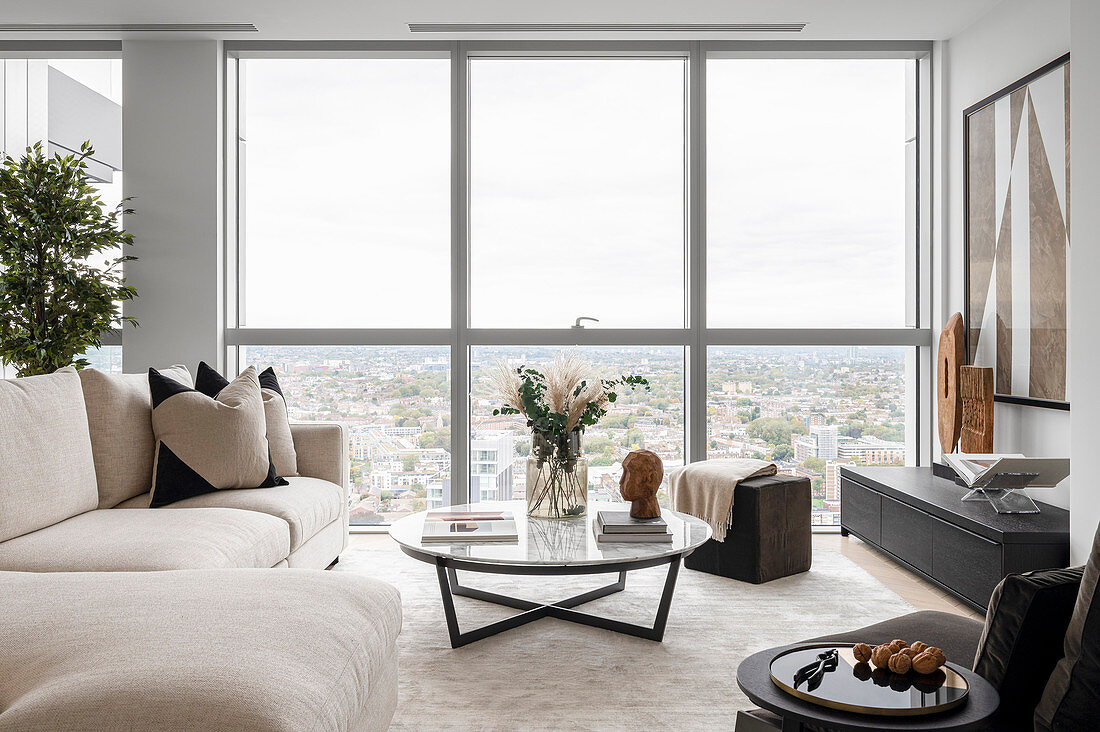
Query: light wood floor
[[918, 592]]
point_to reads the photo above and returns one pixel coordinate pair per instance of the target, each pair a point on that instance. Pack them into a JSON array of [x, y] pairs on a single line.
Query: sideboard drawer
[[907, 533], [861, 510], [966, 562]]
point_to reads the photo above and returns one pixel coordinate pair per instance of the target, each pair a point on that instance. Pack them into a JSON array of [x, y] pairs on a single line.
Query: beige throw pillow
[[46, 469], [204, 444], [120, 420], [279, 437]]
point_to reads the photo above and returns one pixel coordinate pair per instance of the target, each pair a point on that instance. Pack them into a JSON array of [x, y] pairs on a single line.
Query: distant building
[[871, 451], [826, 439], [491, 454], [820, 443], [438, 493], [832, 479]]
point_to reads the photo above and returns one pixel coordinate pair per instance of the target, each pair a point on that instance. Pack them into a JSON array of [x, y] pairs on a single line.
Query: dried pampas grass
[[563, 377], [506, 381]]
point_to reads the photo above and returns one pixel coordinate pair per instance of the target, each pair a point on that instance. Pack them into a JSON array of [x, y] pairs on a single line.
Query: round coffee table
[[550, 547], [754, 678]]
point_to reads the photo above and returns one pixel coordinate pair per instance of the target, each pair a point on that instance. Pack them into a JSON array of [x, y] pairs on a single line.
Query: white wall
[[1014, 39], [1084, 297], [172, 155]]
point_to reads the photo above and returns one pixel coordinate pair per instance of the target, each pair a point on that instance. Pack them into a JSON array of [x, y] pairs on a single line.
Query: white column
[[1084, 252], [172, 155]]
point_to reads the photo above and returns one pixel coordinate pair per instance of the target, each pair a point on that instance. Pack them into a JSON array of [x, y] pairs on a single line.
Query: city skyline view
[[808, 409]]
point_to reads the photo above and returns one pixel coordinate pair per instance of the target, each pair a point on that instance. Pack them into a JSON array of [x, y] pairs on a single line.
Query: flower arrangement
[[558, 404]]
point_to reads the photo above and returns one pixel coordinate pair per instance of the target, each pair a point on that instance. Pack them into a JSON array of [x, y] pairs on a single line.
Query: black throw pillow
[[1071, 700], [1022, 641]]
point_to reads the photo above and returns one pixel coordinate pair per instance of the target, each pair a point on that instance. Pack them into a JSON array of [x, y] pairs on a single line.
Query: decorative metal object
[[976, 395], [951, 354], [1002, 492], [557, 477], [813, 671]]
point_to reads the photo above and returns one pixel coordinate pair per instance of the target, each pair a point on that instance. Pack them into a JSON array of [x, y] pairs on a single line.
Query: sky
[[577, 186], [577, 191]]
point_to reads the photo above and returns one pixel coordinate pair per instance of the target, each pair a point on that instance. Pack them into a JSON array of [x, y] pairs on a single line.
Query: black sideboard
[[966, 548]]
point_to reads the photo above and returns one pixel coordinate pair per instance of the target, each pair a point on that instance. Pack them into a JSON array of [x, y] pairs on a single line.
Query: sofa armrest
[[322, 449]]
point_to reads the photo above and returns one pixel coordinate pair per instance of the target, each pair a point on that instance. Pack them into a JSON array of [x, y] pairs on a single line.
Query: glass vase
[[557, 477]]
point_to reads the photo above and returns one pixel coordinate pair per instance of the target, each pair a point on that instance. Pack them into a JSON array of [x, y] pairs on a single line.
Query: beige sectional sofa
[[115, 615], [67, 520]]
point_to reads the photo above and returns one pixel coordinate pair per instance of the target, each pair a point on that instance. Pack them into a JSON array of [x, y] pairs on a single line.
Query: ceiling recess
[[128, 28], [606, 27]]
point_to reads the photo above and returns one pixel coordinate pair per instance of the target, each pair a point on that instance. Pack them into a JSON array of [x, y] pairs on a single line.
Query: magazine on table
[[621, 522], [647, 537], [452, 515], [978, 469], [470, 531]]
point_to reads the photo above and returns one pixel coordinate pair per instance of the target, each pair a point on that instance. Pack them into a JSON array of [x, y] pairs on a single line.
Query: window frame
[[695, 337]]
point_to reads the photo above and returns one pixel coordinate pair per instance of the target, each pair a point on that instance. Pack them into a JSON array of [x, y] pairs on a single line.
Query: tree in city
[[815, 464], [782, 452], [633, 439], [775, 430], [409, 463]]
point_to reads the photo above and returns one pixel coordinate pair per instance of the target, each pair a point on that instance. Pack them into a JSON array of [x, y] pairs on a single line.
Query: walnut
[[941, 658], [862, 652], [919, 646], [897, 645], [900, 663], [925, 663], [881, 655], [899, 642]]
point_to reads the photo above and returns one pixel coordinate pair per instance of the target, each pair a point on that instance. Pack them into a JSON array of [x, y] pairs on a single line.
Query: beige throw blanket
[[705, 489]]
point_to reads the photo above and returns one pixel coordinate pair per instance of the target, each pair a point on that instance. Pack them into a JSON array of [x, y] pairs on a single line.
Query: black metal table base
[[562, 609]]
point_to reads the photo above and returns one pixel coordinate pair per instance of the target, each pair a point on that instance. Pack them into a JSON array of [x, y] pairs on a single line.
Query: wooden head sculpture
[[643, 472]]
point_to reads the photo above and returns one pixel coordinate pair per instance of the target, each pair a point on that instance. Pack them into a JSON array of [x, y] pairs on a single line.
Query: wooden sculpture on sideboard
[[964, 395], [976, 395], [948, 361]]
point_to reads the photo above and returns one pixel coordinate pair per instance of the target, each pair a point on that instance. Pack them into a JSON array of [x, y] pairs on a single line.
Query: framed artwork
[[1016, 236]]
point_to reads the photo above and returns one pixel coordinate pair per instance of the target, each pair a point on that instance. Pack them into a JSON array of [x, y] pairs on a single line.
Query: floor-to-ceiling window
[[743, 229]]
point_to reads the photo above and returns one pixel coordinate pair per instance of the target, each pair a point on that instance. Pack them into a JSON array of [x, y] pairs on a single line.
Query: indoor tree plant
[[54, 303], [558, 403]]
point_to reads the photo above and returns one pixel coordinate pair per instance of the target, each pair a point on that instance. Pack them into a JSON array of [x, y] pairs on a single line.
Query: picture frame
[[1016, 246]]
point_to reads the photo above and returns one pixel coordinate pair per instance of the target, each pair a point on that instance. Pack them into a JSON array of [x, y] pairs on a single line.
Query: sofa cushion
[[205, 444], [47, 473], [1071, 699], [306, 504], [120, 420], [112, 540], [210, 383], [1025, 627], [202, 650]]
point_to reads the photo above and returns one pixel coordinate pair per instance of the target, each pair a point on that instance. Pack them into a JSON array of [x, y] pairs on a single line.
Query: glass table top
[[861, 688], [559, 542]]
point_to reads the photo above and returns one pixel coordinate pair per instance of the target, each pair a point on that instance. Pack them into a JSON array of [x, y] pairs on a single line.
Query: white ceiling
[[387, 19]]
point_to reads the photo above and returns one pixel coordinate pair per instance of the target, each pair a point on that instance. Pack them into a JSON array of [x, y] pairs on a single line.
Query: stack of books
[[469, 526], [618, 526]]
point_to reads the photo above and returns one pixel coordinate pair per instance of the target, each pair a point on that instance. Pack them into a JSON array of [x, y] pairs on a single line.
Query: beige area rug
[[554, 675]]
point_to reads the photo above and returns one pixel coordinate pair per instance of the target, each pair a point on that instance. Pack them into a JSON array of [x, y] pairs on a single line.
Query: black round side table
[[754, 678]]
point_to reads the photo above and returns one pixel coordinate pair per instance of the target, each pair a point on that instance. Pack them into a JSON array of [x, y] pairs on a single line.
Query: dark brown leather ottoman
[[770, 536]]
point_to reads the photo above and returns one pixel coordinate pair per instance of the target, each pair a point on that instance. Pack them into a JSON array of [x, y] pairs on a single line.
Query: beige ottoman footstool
[[229, 649]]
